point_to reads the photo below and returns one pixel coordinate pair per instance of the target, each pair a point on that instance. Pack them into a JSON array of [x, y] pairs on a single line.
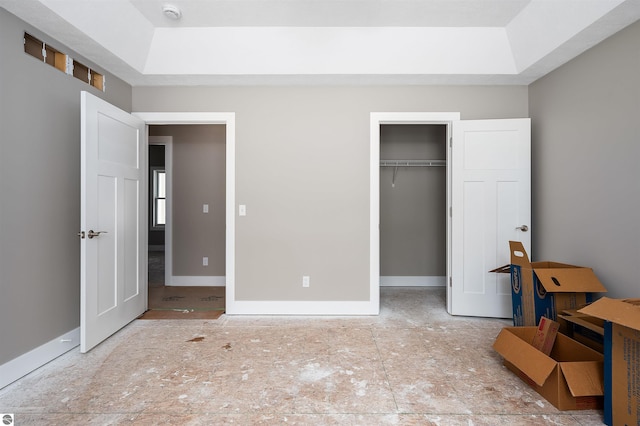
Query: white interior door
[[491, 199], [113, 220]]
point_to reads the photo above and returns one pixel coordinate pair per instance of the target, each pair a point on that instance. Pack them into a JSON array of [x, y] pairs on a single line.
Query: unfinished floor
[[411, 365]]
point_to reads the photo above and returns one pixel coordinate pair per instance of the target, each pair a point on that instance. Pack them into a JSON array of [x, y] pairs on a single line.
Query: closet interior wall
[[413, 223]]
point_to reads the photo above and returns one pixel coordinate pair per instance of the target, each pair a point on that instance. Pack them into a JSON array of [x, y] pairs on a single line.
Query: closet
[[413, 199]]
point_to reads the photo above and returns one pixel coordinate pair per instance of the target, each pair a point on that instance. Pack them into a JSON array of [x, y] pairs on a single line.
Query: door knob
[[93, 233], [523, 228]]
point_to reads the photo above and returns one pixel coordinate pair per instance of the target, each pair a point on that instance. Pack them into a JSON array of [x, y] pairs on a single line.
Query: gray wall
[[413, 217], [302, 169], [586, 152], [39, 192], [198, 178]]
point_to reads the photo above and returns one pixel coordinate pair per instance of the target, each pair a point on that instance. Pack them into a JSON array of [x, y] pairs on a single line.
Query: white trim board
[[304, 308], [26, 363], [198, 281], [229, 120], [412, 281]]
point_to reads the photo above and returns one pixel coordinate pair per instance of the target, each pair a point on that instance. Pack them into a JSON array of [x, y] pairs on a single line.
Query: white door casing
[[113, 202], [378, 119], [228, 120], [491, 205]]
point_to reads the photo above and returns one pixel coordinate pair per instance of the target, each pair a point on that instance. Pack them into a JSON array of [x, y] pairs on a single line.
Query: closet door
[[491, 205]]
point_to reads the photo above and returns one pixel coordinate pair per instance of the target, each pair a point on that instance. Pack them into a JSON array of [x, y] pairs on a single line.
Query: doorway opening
[[227, 120], [413, 205], [187, 219], [194, 232], [442, 122], [159, 178]]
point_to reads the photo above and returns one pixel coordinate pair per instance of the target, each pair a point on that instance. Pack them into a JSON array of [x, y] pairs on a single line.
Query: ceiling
[[255, 42]]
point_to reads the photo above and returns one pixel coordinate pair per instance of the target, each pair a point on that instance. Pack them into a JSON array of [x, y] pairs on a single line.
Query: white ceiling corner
[[230, 42]]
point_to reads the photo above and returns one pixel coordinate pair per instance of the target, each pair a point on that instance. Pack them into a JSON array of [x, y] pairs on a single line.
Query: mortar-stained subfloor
[[411, 365]]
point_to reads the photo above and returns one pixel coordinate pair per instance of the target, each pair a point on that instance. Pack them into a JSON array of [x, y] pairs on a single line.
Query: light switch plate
[[205, 208], [242, 210]]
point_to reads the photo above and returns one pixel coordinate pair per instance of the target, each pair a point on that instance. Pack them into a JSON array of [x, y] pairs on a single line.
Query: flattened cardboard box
[[545, 288], [621, 357], [545, 336], [570, 378]]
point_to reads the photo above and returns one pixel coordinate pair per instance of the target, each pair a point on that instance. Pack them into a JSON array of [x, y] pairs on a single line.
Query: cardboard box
[[621, 357], [570, 378], [545, 288], [584, 328], [545, 335]]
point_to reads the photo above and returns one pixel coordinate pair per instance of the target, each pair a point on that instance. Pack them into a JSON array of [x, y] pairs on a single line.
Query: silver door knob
[[93, 233], [523, 228]]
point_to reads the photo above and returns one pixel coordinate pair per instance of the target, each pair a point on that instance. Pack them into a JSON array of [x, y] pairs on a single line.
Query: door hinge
[[450, 141], [450, 211], [450, 282]]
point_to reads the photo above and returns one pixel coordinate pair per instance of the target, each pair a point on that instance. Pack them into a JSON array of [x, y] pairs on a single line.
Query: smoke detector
[[172, 12]]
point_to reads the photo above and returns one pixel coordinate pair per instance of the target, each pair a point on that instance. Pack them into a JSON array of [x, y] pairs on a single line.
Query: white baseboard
[[302, 308], [419, 281], [194, 281], [36, 358]]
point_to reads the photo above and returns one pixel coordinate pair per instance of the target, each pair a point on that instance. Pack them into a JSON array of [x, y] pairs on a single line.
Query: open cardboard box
[[545, 288], [584, 328], [570, 378], [621, 358]]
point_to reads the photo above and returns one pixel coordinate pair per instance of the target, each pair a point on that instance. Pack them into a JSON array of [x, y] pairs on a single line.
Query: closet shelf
[[413, 163]]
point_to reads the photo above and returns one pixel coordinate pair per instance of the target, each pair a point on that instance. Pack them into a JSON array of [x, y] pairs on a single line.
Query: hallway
[[412, 364]]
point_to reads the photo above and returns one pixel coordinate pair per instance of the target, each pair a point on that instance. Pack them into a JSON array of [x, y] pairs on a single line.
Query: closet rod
[[413, 163]]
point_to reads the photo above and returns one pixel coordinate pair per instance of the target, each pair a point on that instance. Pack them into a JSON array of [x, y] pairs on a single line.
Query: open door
[[113, 219], [491, 199]]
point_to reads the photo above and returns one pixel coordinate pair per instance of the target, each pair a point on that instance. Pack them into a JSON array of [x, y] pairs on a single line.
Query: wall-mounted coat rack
[[410, 163]]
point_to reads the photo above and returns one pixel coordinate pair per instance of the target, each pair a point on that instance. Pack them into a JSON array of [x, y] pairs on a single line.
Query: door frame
[[229, 120], [378, 119], [167, 142]]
